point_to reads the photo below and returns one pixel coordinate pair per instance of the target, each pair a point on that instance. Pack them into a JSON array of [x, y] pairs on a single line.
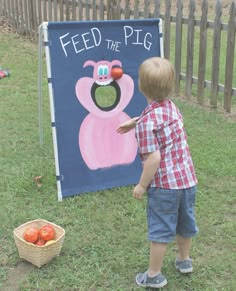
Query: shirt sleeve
[[146, 137]]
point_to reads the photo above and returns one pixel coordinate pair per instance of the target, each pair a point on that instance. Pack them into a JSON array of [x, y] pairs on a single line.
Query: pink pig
[[100, 145]]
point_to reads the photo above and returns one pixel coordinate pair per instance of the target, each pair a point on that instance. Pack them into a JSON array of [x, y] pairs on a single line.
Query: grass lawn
[[105, 243]]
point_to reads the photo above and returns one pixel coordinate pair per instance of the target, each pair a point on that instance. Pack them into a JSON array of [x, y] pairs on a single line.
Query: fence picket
[[94, 9], [49, 3], [13, 12], [146, 9], [101, 9], [39, 12], [114, 10], [216, 55], [157, 13], [16, 4], [61, 10], [190, 49], [10, 11], [55, 10], [87, 10], [229, 64], [167, 22], [67, 8], [127, 9], [80, 7], [202, 53], [26, 18], [178, 45], [21, 22], [136, 9]]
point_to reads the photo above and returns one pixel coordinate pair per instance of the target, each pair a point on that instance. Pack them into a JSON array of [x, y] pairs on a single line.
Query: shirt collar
[[154, 104]]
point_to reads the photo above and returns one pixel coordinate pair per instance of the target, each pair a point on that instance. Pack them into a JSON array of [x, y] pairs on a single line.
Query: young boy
[[168, 174]]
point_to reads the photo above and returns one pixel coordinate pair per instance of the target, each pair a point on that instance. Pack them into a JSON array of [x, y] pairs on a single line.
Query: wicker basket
[[38, 255]]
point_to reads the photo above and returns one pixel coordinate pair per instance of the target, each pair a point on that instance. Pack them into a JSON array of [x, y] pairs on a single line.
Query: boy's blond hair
[[156, 78]]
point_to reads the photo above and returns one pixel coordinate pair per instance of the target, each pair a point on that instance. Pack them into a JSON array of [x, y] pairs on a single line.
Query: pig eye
[[103, 70], [100, 71]]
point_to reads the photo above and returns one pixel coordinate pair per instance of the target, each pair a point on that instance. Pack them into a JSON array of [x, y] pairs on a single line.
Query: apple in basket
[[40, 242], [47, 232], [31, 234]]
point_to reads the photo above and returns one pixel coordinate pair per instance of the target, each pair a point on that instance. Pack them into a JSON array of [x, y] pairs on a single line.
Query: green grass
[[105, 243]]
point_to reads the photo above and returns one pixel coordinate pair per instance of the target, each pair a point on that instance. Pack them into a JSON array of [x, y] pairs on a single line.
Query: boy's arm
[[150, 166], [127, 125]]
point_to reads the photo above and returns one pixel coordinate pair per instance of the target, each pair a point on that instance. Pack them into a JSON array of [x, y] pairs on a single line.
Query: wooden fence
[[189, 53]]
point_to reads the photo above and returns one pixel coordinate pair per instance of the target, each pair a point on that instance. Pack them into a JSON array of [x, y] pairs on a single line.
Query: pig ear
[[116, 63], [89, 63]]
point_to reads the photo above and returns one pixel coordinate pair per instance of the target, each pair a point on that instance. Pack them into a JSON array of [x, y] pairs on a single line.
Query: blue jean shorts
[[171, 212]]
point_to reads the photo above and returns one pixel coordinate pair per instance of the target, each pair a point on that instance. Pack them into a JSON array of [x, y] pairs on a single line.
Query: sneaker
[[184, 266], [142, 279]]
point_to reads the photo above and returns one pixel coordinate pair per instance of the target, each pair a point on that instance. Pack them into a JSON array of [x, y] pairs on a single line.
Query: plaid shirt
[[160, 127]]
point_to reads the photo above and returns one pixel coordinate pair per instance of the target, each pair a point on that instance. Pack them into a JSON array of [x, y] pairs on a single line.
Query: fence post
[[32, 19], [146, 8], [21, 16], [109, 16], [40, 12], [87, 10], [115, 9], [136, 10], [127, 9], [67, 8], [55, 10], [190, 49], [202, 53], [61, 3], [229, 65], [80, 8], [14, 14], [216, 55], [157, 9], [94, 10], [45, 11], [49, 10], [101, 10], [26, 18], [167, 30], [10, 11], [178, 44], [7, 9], [1, 8]]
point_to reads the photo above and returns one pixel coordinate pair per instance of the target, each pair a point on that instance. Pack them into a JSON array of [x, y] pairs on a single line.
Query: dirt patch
[[15, 275]]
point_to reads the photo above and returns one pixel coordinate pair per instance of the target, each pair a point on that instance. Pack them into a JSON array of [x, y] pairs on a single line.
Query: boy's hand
[[126, 126], [139, 191]]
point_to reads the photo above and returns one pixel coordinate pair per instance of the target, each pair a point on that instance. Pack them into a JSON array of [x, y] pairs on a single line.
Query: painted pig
[[100, 145]]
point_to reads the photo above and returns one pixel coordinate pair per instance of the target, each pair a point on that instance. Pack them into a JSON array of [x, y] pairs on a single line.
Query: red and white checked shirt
[[161, 128]]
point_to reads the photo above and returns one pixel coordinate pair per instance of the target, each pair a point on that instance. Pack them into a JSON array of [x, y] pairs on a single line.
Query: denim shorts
[[170, 212]]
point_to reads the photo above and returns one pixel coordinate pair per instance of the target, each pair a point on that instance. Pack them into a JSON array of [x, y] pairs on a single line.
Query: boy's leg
[[183, 263], [184, 245], [153, 278], [157, 253]]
